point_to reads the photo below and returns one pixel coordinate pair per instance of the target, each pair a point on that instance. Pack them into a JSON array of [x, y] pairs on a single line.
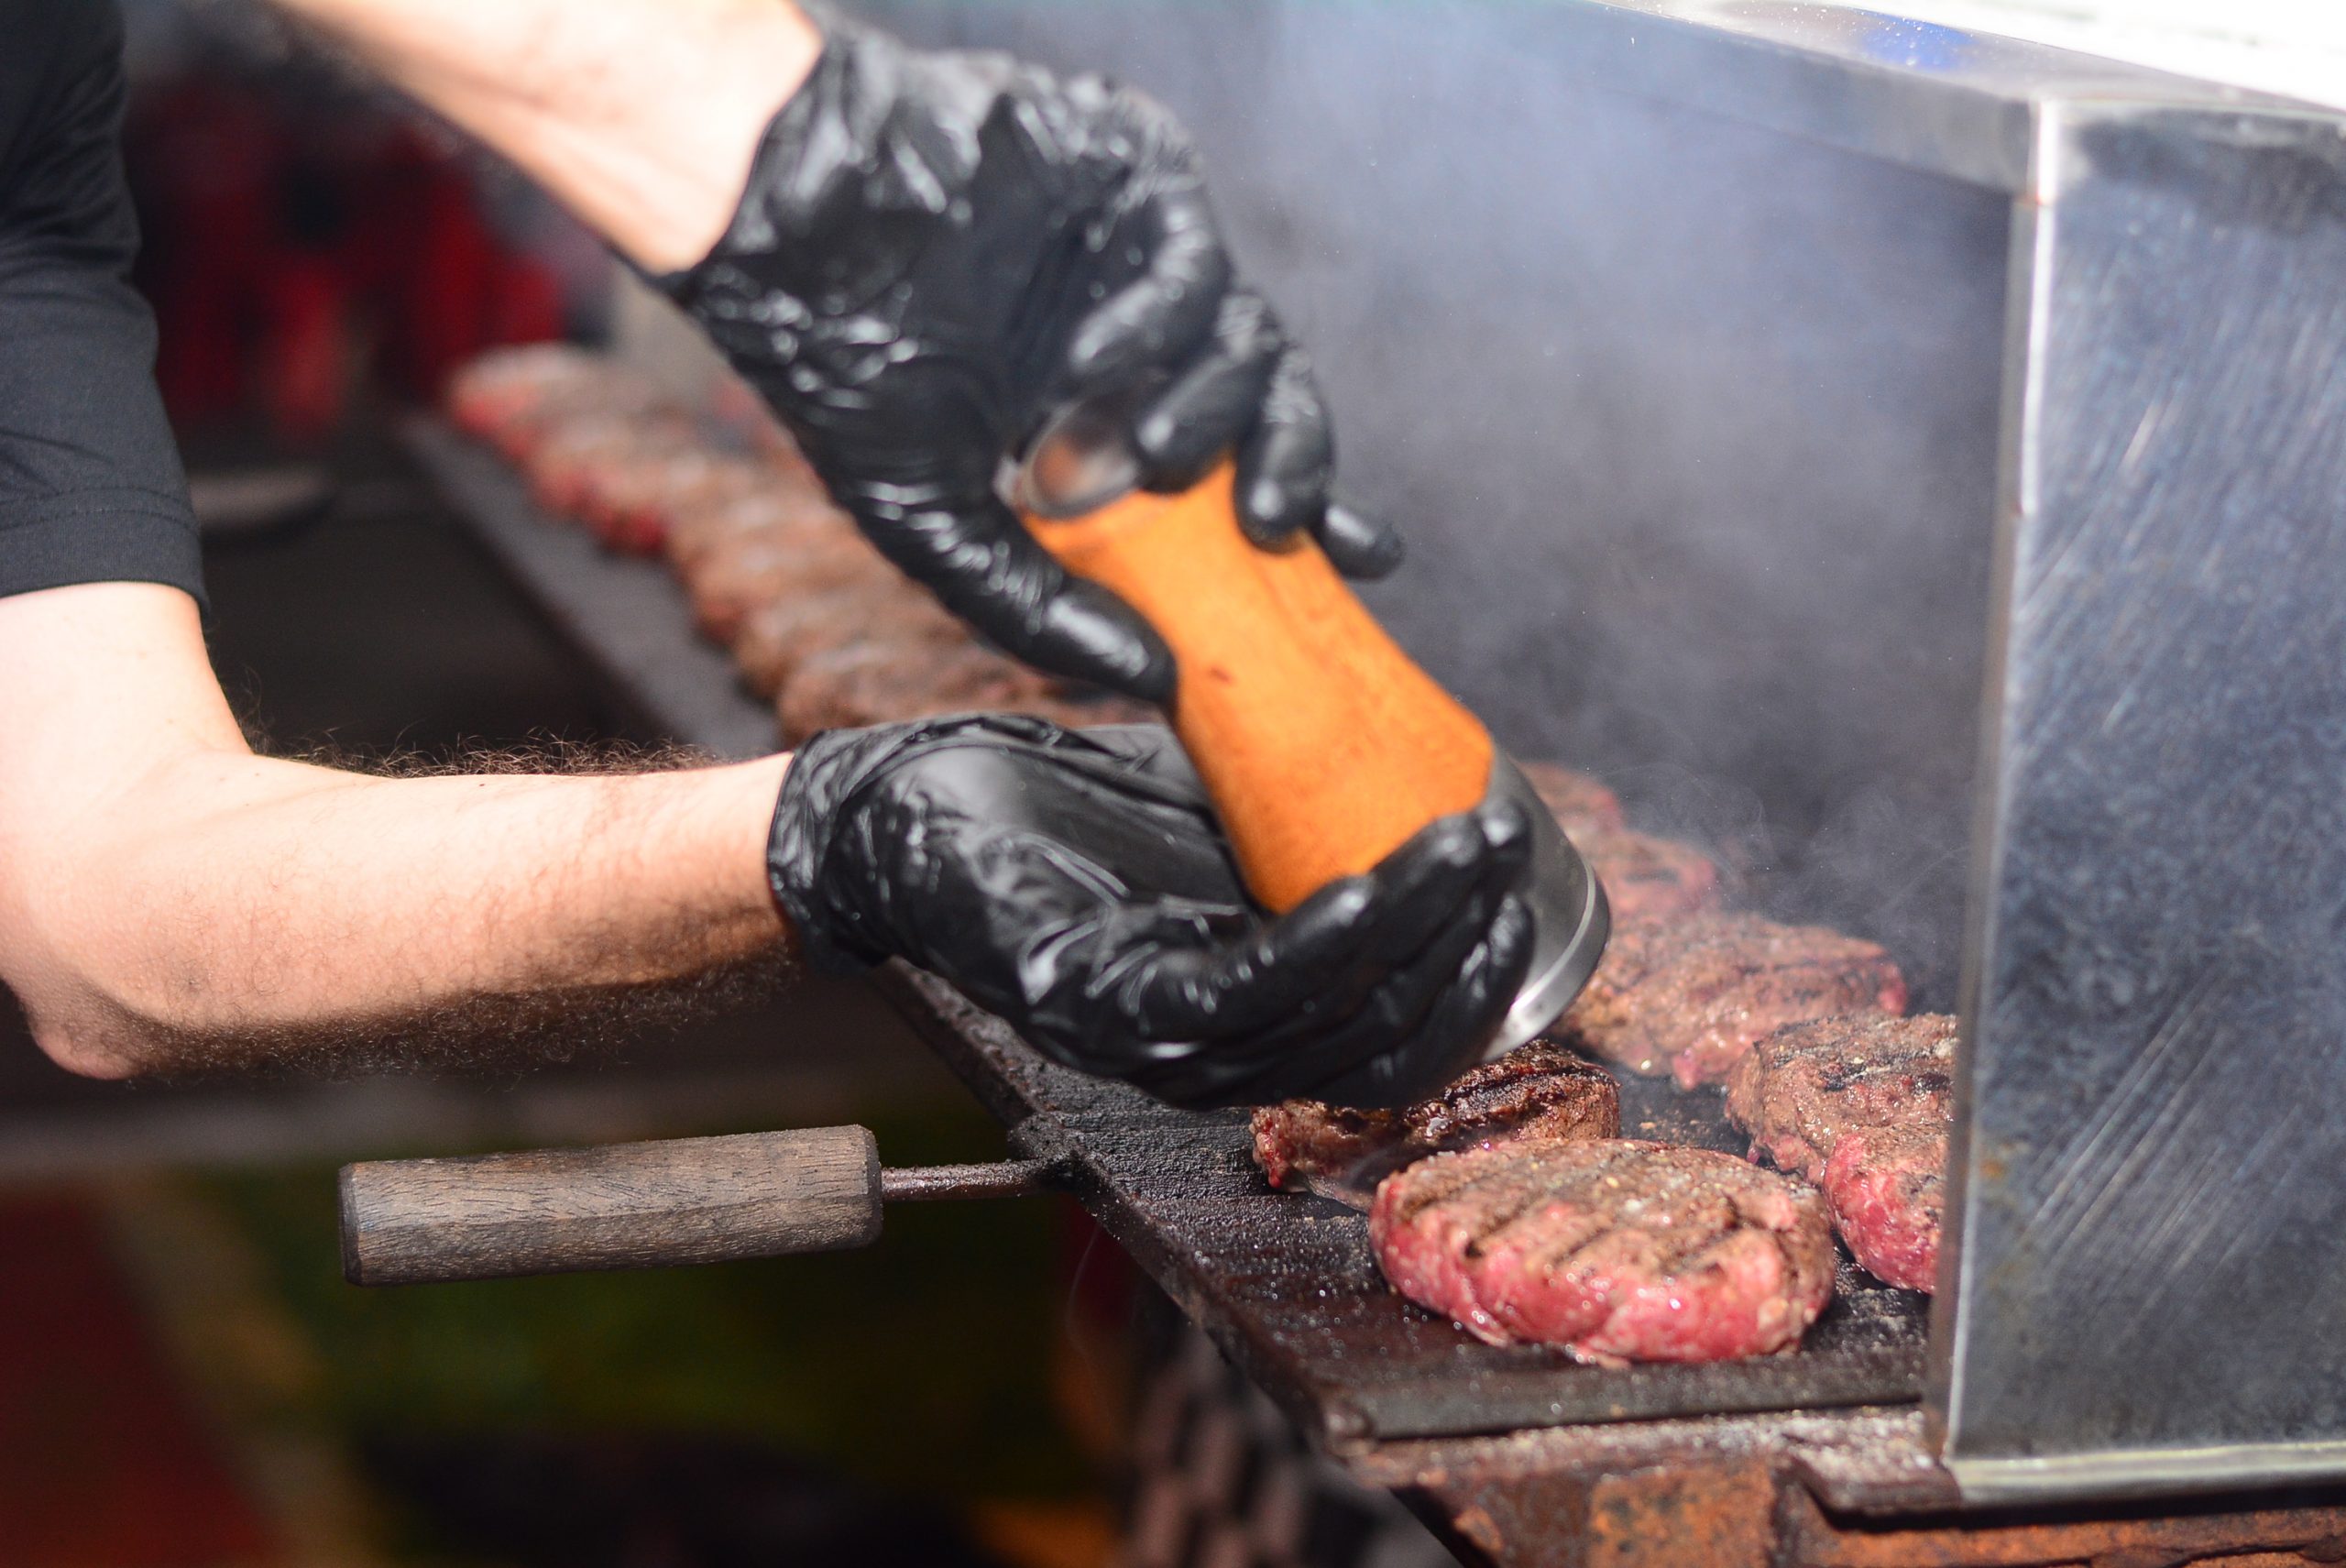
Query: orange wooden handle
[[1323, 745]]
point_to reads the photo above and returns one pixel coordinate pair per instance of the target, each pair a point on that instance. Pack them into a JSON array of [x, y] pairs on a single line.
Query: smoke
[[1691, 425]]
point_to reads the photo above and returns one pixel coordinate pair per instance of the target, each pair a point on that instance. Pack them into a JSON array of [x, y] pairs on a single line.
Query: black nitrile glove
[[1075, 884], [937, 250]]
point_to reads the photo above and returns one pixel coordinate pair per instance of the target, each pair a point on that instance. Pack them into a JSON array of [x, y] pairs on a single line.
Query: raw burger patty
[[1803, 1088], [1691, 996], [1617, 1250], [1541, 1091], [1887, 1189]]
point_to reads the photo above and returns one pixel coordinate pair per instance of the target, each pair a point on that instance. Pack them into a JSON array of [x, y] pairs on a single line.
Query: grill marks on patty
[[1541, 1090], [1539, 1224], [1689, 997], [1862, 1106], [1645, 877], [1649, 879], [1616, 1249], [1801, 1088]]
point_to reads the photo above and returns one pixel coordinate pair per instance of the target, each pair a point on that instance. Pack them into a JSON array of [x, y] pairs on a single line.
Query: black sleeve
[[91, 489]]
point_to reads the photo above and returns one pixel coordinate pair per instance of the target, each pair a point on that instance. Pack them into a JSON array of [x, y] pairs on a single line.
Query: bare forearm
[[161, 887], [640, 115], [244, 896]]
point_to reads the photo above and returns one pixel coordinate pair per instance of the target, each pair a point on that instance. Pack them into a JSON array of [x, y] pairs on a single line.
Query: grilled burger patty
[[1539, 1091], [1689, 997], [1649, 879], [1580, 803], [1801, 1088], [1860, 1104], [1616, 1249], [1887, 1190]]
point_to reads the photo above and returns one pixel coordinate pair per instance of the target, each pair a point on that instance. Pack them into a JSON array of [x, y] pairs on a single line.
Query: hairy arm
[[168, 899], [640, 115]]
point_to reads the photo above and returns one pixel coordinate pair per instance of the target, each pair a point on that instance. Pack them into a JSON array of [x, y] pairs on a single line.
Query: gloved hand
[[934, 252], [1074, 884]]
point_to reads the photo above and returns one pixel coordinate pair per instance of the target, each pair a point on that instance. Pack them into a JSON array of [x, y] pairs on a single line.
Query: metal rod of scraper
[[643, 1205]]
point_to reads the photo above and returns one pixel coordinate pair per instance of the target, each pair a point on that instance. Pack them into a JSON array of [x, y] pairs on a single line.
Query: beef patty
[[776, 638], [1541, 1090], [1887, 1191], [1689, 997], [1647, 878], [1616, 1249], [1579, 803], [882, 682], [1801, 1088]]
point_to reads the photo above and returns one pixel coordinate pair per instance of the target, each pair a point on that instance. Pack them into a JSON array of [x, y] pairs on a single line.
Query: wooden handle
[[1323, 745], [622, 1206]]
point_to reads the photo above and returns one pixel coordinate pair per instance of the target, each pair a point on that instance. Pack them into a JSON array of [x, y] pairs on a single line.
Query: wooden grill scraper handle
[[647, 1205]]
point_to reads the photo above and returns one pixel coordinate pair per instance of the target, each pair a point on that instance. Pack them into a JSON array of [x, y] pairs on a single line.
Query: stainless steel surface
[[1570, 919], [2151, 1184], [957, 1183]]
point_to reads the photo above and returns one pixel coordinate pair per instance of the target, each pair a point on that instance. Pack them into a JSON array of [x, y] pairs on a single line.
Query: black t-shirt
[[90, 483]]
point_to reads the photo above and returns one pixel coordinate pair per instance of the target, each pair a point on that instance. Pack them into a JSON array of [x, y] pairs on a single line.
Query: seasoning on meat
[[1887, 1190], [1618, 1250], [1860, 1104], [1801, 1088], [1539, 1091], [1689, 997]]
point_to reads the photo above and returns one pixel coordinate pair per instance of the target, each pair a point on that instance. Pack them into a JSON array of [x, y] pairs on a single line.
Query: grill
[[1921, 445], [1820, 1457]]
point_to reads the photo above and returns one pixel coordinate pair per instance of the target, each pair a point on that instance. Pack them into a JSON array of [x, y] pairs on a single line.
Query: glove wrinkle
[[1077, 885], [934, 250]]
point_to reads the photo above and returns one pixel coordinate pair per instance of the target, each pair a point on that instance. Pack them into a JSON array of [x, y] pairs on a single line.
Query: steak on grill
[[1689, 997], [1887, 1190], [1801, 1088], [1541, 1090], [1618, 1250]]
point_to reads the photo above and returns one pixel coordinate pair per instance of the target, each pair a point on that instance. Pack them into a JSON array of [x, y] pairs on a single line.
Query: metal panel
[[2151, 1193]]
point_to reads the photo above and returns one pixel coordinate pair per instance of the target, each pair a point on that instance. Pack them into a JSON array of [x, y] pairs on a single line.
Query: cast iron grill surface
[[1286, 1282]]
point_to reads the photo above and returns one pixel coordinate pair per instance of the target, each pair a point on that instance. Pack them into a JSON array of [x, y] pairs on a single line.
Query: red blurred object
[[303, 366], [294, 252], [102, 1464]]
